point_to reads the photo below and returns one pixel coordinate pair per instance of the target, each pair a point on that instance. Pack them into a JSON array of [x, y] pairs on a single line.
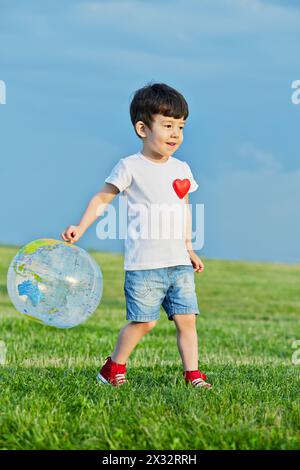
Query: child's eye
[[169, 125]]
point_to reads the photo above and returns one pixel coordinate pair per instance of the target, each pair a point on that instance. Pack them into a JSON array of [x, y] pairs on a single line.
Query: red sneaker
[[112, 373], [196, 378]]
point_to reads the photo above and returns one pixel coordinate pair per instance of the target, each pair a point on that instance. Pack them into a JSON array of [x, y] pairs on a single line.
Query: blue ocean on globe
[[55, 283]]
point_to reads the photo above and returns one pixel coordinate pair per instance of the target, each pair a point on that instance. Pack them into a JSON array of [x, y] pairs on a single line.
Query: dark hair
[[157, 98]]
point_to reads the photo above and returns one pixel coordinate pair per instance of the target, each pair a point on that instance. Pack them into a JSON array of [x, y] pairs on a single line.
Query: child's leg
[[128, 338], [187, 340]]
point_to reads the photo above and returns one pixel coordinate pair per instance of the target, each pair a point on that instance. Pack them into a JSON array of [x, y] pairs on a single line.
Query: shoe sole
[[100, 379], [207, 386]]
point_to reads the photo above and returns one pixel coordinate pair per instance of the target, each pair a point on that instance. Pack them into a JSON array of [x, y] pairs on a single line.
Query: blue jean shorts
[[172, 287]]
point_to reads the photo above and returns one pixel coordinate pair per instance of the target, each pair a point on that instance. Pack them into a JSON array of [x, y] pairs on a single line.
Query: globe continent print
[[54, 282]]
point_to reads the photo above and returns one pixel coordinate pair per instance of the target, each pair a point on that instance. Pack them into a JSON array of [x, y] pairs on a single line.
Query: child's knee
[[147, 325], [184, 322], [151, 324]]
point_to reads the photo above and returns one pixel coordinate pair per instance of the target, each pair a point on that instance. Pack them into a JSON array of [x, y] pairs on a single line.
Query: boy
[[158, 271]]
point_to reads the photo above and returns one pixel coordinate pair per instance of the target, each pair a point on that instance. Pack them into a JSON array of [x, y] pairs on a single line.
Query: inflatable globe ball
[[54, 282]]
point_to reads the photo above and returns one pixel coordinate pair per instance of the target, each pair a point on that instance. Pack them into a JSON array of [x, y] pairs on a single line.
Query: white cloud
[[192, 35], [209, 17], [263, 159], [253, 215]]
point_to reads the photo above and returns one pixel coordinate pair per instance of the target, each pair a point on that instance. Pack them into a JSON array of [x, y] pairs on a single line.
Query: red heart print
[[181, 187]]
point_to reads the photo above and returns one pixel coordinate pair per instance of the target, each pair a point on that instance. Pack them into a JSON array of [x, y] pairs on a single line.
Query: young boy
[[158, 270]]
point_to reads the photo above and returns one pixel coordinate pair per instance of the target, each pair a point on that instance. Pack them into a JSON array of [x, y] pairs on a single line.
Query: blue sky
[[70, 69]]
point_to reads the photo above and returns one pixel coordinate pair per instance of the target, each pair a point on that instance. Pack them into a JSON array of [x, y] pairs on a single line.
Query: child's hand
[[196, 262], [72, 233]]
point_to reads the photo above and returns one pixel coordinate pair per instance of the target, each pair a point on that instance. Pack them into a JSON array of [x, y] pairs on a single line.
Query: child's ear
[[140, 129]]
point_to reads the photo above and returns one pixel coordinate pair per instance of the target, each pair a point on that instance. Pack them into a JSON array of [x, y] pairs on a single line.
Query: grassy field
[[250, 317]]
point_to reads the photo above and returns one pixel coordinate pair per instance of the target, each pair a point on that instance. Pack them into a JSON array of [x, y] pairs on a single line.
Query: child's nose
[[175, 133]]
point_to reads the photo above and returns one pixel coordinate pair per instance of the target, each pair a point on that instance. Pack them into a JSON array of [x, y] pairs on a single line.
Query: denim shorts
[[172, 287]]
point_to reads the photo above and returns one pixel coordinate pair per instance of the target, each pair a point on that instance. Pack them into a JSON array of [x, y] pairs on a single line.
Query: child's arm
[[94, 209]]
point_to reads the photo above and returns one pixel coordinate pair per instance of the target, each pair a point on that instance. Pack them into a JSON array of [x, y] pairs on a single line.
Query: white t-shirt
[[155, 236]]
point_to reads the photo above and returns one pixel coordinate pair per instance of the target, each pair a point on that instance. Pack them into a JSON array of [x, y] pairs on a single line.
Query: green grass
[[249, 320]]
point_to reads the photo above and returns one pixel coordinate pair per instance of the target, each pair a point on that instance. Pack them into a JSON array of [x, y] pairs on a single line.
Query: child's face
[[165, 131]]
